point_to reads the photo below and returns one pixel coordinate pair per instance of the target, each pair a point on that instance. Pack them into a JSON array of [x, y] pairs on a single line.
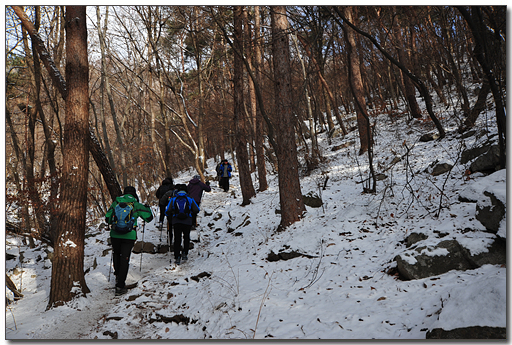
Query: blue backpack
[[123, 217], [181, 207]]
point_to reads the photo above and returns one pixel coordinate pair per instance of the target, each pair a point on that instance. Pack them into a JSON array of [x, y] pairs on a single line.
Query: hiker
[[217, 169], [180, 210], [195, 190], [167, 185], [123, 234], [224, 172], [164, 200]]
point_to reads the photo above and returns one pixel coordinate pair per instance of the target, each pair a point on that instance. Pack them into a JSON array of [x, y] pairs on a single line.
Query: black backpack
[[181, 207]]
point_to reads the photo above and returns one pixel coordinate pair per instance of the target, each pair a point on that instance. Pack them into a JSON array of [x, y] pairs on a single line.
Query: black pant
[[162, 213], [122, 249], [178, 230], [224, 183], [169, 230]]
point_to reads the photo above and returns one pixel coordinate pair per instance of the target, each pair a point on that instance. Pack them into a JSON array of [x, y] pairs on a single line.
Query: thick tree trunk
[[239, 118], [68, 278], [290, 196]]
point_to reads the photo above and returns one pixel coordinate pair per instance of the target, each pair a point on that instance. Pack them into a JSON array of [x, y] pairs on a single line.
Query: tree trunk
[[290, 196], [409, 90], [68, 278], [238, 112], [356, 84], [60, 84], [478, 107]]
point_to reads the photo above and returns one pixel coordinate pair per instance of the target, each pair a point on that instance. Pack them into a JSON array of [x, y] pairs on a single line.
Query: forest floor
[[339, 286]]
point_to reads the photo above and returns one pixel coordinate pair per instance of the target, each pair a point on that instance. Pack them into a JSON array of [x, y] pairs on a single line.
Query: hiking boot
[[178, 260], [184, 258], [121, 291]]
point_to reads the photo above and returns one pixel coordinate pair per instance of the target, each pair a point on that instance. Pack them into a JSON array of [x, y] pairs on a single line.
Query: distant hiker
[[195, 190], [180, 210], [224, 172], [122, 215], [167, 185]]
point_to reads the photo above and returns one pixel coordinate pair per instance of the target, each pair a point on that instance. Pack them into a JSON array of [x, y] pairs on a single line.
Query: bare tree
[[238, 112], [68, 279], [290, 196]]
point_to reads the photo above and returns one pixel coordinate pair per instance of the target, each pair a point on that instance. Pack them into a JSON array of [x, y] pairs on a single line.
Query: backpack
[[123, 217], [181, 207]]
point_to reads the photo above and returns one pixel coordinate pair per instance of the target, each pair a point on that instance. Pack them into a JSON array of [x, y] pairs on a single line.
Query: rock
[[428, 261], [496, 254], [471, 154], [336, 132], [490, 212], [342, 146], [285, 256], [147, 248], [312, 200], [487, 162], [429, 137], [414, 238], [474, 332], [441, 168]]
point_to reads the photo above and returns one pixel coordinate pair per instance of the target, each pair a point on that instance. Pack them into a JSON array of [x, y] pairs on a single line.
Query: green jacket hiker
[[139, 210]]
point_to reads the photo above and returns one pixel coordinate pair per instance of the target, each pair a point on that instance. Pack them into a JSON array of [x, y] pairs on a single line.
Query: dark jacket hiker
[[166, 186], [180, 211]]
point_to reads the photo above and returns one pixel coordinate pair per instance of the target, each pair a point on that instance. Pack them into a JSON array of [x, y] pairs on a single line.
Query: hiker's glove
[[146, 205], [207, 183]]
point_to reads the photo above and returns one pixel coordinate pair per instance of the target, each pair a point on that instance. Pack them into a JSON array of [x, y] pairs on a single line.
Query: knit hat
[[131, 190], [181, 187], [197, 177]]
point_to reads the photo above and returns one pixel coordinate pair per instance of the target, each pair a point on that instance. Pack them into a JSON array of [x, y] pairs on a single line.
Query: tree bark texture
[[290, 196], [68, 278], [238, 113], [258, 137], [356, 84]]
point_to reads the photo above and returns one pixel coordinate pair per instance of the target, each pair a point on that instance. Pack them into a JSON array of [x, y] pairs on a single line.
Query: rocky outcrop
[[428, 261], [422, 261], [475, 332], [491, 212], [312, 200], [489, 194]]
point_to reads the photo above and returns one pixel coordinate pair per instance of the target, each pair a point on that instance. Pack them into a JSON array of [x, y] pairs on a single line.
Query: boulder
[[312, 200], [496, 254], [414, 238], [487, 162], [474, 332], [490, 212], [470, 154], [441, 168], [427, 261]]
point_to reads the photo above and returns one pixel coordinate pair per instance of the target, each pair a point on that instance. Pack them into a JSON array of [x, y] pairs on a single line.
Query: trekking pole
[[142, 248], [111, 260], [110, 267]]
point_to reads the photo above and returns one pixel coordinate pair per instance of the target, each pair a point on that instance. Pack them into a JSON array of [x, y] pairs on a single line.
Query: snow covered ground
[[339, 289]]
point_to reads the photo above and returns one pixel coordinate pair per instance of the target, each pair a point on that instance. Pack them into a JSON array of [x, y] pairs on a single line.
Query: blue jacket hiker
[[123, 215], [224, 173], [179, 212]]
